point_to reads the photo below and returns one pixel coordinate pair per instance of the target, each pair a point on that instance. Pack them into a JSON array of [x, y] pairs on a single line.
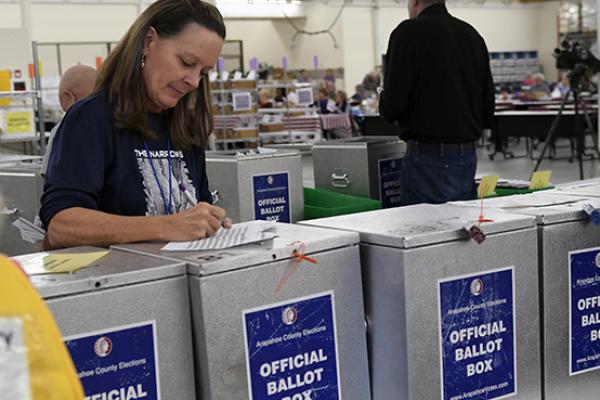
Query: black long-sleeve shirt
[[438, 86]]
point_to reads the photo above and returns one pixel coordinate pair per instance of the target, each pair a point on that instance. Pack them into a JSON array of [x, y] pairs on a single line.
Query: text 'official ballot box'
[[305, 341], [448, 318], [126, 322], [569, 249], [257, 186], [21, 186], [369, 166]]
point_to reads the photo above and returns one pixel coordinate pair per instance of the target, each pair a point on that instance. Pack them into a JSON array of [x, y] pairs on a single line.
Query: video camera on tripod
[[577, 59], [580, 63]]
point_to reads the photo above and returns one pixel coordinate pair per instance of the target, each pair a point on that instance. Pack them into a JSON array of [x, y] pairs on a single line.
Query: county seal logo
[[270, 179], [476, 287], [289, 315], [103, 347], [598, 260]]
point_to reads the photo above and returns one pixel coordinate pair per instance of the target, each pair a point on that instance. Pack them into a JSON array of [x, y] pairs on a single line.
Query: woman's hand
[[194, 223]]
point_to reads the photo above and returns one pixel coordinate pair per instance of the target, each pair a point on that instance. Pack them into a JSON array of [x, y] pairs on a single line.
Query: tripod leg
[[579, 135], [552, 130], [590, 126]]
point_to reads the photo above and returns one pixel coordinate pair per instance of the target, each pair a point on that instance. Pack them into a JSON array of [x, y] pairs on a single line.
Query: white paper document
[[30, 232], [14, 371], [239, 234]]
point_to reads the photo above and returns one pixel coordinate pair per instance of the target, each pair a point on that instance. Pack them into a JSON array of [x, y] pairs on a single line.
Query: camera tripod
[[578, 132]]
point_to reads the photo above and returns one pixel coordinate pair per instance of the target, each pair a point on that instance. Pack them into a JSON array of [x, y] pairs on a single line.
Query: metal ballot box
[[306, 340], [588, 187], [257, 186], [21, 187], [126, 321], [569, 265], [448, 318], [305, 150], [369, 166]]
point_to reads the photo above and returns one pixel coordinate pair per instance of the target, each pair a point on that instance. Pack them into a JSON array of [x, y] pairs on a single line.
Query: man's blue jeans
[[437, 173]]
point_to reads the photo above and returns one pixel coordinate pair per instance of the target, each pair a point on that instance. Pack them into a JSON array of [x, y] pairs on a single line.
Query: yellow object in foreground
[[64, 262], [487, 186], [34, 362], [540, 180]]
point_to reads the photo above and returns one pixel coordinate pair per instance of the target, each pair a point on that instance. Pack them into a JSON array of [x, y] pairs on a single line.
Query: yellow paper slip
[[487, 186], [58, 263], [540, 180]]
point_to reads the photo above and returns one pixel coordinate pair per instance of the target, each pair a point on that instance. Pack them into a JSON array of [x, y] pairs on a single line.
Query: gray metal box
[[358, 166], [119, 292], [240, 181], [588, 187], [563, 228], [21, 187], [408, 255], [226, 285]]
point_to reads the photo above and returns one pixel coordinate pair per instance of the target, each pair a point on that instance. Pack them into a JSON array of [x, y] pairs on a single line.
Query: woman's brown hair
[[121, 73]]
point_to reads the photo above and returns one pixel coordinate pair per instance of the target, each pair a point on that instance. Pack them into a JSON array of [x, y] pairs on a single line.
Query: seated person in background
[[303, 77], [128, 163], [329, 88], [76, 83], [504, 93], [341, 102], [280, 96], [528, 81], [292, 97], [264, 99], [370, 83], [540, 89], [323, 103], [562, 87], [358, 95], [330, 77]]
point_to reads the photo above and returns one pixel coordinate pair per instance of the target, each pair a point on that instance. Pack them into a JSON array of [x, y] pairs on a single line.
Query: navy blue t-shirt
[[95, 165]]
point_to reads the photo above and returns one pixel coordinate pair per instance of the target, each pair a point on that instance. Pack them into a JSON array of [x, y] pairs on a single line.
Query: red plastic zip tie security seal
[[299, 256]]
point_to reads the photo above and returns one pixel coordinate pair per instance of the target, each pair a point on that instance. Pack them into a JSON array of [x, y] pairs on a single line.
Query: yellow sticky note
[[540, 180], [487, 186], [18, 121], [58, 263]]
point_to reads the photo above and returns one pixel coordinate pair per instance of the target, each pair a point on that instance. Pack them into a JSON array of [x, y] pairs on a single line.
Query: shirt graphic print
[[156, 181]]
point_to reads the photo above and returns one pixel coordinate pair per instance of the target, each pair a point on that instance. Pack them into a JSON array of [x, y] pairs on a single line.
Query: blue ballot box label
[[390, 182], [272, 197], [584, 310], [118, 363], [291, 350], [477, 336]]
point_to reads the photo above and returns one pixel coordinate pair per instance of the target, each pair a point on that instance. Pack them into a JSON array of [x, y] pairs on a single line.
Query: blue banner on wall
[[271, 197], [477, 343], [390, 182], [291, 350], [119, 363], [584, 296]]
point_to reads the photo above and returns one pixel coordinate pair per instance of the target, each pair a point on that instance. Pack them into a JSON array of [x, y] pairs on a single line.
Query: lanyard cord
[[167, 210]]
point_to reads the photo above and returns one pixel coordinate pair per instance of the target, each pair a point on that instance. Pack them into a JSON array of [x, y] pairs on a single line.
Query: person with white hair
[[76, 83]]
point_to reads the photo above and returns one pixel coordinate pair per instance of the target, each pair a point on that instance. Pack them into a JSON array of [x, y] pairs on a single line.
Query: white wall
[[269, 40], [548, 38], [505, 28], [359, 50]]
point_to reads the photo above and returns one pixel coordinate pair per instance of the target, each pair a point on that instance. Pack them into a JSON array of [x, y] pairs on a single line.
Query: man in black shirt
[[439, 90]]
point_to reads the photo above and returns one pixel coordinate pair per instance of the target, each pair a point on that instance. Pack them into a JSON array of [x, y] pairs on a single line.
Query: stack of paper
[[30, 232], [239, 234]]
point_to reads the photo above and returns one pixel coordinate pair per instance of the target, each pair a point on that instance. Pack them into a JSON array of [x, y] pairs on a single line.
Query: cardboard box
[[243, 84], [273, 127]]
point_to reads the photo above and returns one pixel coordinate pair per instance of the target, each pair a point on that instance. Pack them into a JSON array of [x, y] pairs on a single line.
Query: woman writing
[[128, 163]]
